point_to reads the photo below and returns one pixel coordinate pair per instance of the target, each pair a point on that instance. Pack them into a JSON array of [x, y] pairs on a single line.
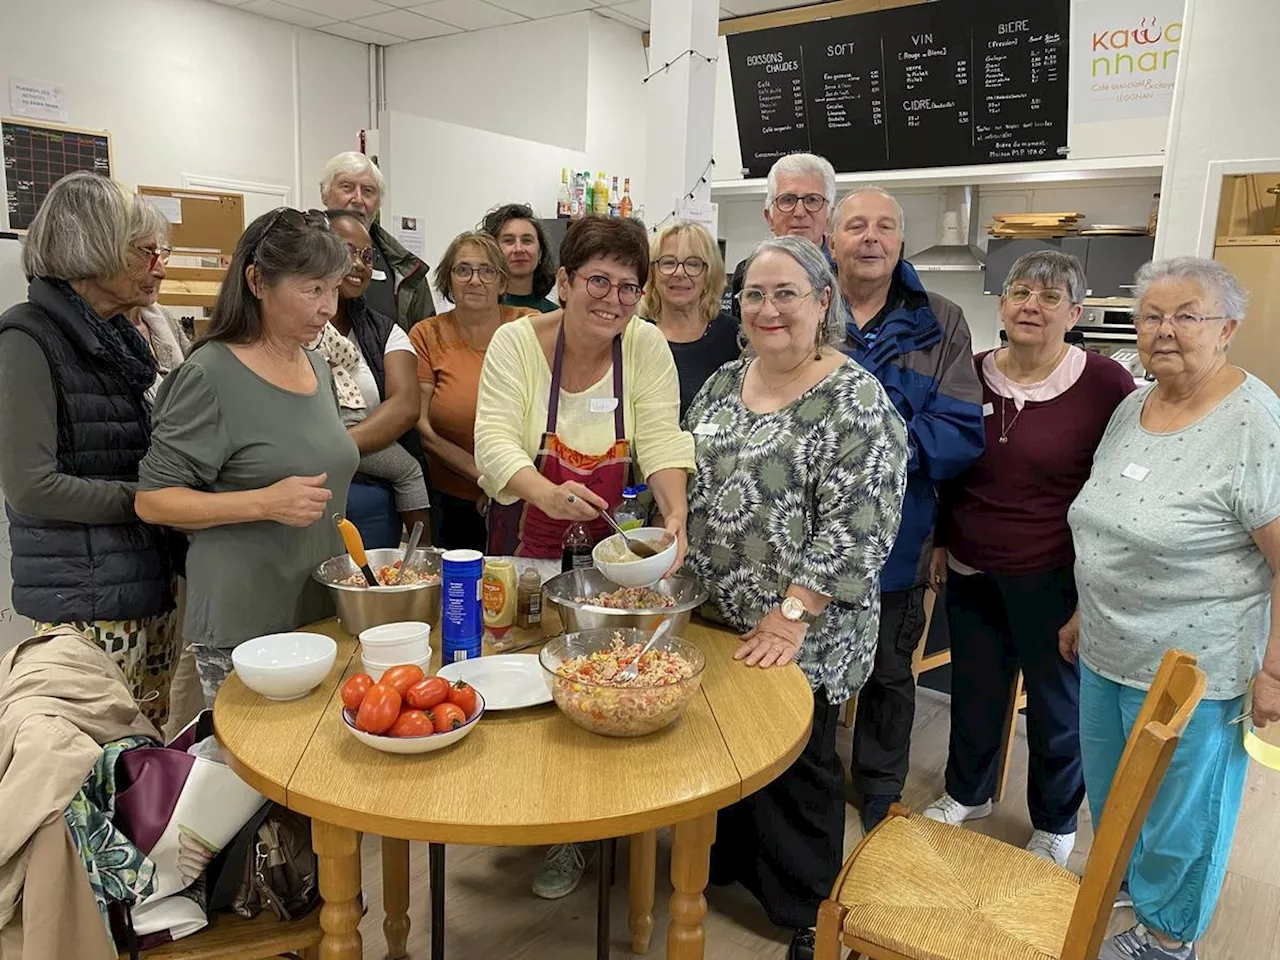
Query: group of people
[[823, 451]]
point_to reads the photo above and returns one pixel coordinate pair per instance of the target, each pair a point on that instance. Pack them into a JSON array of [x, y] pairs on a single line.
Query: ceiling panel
[[406, 25], [353, 31], [467, 14], [539, 9], [622, 13], [342, 9], [282, 11]]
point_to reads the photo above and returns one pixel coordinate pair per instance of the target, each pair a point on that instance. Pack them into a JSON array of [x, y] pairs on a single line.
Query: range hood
[[957, 250]]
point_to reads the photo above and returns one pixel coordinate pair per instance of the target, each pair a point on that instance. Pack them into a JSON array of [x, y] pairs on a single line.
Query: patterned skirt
[[146, 652]]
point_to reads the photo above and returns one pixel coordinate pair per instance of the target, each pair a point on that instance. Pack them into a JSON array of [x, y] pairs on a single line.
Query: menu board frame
[[948, 83]]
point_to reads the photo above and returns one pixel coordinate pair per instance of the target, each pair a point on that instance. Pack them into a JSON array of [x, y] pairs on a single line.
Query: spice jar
[[529, 600]]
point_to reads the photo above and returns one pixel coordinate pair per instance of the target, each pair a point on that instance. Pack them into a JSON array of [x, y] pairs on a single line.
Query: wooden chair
[[915, 889], [922, 663], [231, 937]]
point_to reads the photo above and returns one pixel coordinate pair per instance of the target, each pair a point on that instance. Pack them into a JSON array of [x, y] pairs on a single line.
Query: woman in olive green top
[[247, 448]]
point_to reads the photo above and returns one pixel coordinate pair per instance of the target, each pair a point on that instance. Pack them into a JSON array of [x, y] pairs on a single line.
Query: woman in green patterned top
[[793, 510]]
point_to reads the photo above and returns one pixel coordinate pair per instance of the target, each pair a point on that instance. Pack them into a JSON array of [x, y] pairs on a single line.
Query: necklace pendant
[[1004, 439]]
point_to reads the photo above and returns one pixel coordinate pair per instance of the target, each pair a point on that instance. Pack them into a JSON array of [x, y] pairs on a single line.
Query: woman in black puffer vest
[[74, 424]]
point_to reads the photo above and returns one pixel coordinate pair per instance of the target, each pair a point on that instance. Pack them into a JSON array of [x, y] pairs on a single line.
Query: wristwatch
[[794, 610]]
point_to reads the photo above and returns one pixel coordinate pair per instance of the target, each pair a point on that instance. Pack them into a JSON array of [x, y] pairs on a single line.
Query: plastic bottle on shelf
[[625, 205], [564, 199], [600, 196], [588, 193], [576, 548]]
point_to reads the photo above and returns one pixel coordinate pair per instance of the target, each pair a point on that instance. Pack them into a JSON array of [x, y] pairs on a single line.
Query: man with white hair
[[802, 191], [399, 289], [918, 346]]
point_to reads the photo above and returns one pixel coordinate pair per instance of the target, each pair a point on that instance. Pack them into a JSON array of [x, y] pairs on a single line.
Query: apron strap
[[619, 421], [557, 375]]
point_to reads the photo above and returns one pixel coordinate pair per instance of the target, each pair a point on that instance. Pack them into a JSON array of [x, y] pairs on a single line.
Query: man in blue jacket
[[917, 345]]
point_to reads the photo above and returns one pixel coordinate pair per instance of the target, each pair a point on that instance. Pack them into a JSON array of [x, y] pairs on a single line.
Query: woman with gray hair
[[74, 425], [1003, 549], [248, 449], [793, 509], [1177, 539]]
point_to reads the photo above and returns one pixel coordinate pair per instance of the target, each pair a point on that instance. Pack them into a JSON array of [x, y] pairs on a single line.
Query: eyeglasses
[[295, 220], [693, 266], [156, 255], [1182, 321], [1050, 298], [813, 202], [463, 272], [363, 254], [598, 287], [784, 299]]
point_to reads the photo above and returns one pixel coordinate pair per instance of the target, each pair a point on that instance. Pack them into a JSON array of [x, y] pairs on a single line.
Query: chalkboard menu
[[37, 156], [932, 85]]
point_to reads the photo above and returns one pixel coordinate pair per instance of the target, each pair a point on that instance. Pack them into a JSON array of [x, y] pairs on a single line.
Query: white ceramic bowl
[[284, 666], [407, 745], [393, 643], [376, 668], [634, 573]]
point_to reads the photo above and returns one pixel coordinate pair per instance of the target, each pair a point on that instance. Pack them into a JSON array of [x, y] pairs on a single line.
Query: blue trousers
[[1176, 871]]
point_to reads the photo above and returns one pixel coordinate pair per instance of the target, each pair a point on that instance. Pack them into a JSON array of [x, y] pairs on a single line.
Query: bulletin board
[[206, 222], [36, 156]]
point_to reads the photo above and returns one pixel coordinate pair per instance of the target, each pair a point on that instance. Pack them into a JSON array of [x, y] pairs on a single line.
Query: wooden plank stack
[[1033, 225]]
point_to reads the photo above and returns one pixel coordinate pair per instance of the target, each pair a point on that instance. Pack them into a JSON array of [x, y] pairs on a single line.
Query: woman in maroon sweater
[[1003, 549]]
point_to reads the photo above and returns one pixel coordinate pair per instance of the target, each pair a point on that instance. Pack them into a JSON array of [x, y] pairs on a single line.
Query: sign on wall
[[37, 99], [1124, 57]]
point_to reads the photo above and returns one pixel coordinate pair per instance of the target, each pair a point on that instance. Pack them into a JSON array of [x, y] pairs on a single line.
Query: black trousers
[[459, 525], [887, 702], [998, 625], [785, 842]]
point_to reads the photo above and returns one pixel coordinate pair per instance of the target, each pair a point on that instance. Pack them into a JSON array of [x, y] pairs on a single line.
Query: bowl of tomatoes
[[407, 712]]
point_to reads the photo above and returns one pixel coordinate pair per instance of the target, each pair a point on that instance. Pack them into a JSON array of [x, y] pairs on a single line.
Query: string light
[[690, 195], [673, 61]]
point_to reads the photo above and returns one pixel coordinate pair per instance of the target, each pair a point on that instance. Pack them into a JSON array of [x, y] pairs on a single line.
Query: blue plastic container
[[461, 612]]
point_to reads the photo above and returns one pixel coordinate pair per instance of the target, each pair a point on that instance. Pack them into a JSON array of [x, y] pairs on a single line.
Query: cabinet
[[1109, 262], [1255, 261]]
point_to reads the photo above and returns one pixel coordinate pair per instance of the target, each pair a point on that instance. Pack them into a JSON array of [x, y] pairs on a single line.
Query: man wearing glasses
[[802, 191], [399, 287], [917, 345]]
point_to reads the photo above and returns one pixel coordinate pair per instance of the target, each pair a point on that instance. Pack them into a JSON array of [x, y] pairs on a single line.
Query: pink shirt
[[1063, 378]]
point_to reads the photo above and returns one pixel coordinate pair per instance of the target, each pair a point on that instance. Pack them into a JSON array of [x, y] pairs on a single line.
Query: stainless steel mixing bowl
[[559, 592], [360, 608]]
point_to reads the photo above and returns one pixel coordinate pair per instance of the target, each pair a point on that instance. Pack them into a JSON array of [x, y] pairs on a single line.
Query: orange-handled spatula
[[355, 547]]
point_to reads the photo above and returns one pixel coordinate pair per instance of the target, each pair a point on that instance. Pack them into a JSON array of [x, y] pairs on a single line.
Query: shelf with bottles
[[579, 195]]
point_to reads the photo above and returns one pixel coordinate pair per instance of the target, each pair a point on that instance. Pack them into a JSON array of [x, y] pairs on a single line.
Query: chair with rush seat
[[916, 889], [231, 937]]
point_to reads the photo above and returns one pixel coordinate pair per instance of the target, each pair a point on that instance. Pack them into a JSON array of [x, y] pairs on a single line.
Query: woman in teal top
[[528, 252], [247, 448]]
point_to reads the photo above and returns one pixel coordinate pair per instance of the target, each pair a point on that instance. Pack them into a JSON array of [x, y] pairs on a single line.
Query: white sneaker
[[1052, 846], [947, 809], [561, 872]]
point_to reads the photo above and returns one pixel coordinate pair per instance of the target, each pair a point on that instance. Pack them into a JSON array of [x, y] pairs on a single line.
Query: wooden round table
[[524, 778]]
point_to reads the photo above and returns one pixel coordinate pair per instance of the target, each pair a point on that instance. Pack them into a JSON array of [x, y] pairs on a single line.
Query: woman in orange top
[[473, 274]]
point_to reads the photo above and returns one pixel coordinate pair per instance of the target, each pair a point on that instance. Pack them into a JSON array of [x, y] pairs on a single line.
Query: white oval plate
[[508, 681]]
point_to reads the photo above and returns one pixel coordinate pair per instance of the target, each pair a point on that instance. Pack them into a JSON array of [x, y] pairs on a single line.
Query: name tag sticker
[[988, 409], [1135, 472], [378, 275], [706, 429], [604, 404]]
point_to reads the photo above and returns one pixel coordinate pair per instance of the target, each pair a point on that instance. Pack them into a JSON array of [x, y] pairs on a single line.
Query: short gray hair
[[834, 327], [878, 191], [355, 164], [802, 165], [1049, 268], [1214, 279], [85, 227]]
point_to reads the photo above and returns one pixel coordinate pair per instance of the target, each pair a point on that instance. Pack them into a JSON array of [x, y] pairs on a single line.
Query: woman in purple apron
[[571, 403]]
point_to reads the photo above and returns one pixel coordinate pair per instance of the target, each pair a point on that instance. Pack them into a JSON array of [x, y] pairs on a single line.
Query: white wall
[[564, 92], [1224, 110], [190, 86]]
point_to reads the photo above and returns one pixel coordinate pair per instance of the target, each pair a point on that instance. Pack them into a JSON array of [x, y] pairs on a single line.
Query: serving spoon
[[641, 549]]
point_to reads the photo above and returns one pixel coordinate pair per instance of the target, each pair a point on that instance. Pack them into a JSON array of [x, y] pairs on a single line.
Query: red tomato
[[379, 710], [449, 716], [401, 678], [354, 689], [412, 723], [427, 694], [463, 695]]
